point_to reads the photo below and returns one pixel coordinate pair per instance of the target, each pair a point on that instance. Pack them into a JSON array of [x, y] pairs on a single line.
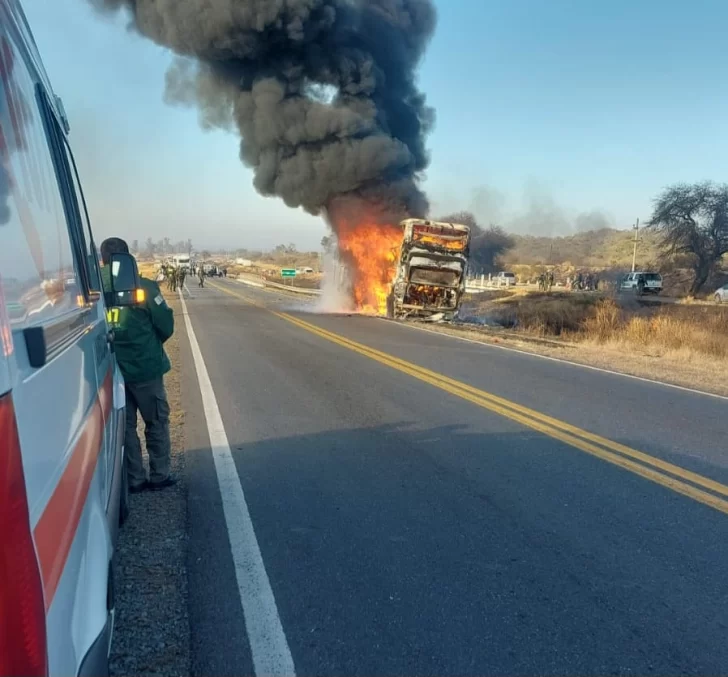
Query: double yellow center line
[[680, 480]]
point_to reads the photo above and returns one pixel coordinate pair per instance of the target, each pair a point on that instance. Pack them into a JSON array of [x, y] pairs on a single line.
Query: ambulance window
[[40, 280], [87, 264], [88, 243]]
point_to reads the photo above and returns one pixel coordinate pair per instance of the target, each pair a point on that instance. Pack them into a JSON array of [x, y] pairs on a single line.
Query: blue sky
[[545, 109]]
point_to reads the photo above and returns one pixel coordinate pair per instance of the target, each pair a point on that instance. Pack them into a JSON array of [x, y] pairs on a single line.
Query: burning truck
[[429, 280]]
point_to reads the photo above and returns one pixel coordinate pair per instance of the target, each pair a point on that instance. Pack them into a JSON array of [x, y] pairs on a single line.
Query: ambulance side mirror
[[126, 286]]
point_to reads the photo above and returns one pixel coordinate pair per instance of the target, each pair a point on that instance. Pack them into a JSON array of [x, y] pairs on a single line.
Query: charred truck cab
[[430, 275]]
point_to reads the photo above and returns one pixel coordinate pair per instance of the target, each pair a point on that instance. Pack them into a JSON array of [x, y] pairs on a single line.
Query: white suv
[[504, 279], [642, 283]]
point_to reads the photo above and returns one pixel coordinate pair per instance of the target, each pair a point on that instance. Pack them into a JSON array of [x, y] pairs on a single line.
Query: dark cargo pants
[[150, 400]]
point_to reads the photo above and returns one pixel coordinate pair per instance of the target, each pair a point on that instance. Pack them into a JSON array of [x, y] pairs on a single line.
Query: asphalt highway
[[371, 499]]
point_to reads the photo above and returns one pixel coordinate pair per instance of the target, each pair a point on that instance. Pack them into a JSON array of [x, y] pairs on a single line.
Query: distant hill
[[604, 248]]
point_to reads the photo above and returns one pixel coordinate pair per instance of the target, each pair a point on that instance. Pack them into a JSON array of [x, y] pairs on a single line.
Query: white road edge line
[[558, 359], [268, 644]]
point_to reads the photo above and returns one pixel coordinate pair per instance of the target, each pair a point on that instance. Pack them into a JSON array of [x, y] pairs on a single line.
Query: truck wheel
[[718, 299], [390, 307]]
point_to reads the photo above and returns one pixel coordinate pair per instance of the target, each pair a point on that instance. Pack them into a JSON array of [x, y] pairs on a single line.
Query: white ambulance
[[62, 479]]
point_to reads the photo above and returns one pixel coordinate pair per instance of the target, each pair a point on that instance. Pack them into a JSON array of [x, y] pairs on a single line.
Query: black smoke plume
[[323, 92]]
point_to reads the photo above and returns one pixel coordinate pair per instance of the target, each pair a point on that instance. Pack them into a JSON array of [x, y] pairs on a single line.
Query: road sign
[[288, 272]]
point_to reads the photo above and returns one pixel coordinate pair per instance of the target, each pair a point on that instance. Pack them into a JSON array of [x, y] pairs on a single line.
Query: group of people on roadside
[[546, 281], [176, 275], [579, 282], [584, 282], [140, 333]]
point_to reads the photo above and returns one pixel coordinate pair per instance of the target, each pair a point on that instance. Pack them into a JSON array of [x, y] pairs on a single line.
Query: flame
[[371, 251], [442, 242]]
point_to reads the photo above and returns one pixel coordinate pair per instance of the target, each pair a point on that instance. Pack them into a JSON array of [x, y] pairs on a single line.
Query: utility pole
[[636, 229]]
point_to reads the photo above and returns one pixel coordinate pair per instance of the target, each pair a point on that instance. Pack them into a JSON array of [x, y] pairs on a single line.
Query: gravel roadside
[[152, 632]]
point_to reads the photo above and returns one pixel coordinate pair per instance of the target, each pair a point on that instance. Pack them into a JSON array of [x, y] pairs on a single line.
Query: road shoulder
[[152, 629]]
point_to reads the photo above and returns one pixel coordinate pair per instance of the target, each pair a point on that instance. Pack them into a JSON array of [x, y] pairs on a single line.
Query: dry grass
[[703, 332], [541, 314], [634, 324], [147, 270], [685, 344]]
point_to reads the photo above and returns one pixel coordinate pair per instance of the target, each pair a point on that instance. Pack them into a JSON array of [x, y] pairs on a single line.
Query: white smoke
[[336, 294]]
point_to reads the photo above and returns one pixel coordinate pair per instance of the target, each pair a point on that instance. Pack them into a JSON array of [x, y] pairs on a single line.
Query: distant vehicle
[[181, 261], [721, 294], [504, 279], [211, 270], [430, 273], [305, 270], [63, 489], [642, 283]]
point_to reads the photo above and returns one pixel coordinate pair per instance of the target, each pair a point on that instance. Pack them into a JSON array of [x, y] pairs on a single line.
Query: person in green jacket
[[139, 336]]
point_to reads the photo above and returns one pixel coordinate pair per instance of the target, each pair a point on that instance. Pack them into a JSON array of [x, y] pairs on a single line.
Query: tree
[[205, 254], [693, 220], [135, 246], [486, 244], [149, 247]]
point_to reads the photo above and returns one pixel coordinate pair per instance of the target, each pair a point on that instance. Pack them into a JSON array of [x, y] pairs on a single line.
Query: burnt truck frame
[[430, 270]]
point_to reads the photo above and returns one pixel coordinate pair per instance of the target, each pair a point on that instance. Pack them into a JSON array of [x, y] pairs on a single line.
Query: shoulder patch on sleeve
[[159, 299]]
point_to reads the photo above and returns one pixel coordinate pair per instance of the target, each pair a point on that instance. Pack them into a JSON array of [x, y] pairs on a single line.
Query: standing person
[[201, 276], [139, 335], [182, 275]]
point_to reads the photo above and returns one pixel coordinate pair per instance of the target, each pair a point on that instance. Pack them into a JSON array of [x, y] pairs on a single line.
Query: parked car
[[642, 283], [504, 279], [721, 294], [63, 487]]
